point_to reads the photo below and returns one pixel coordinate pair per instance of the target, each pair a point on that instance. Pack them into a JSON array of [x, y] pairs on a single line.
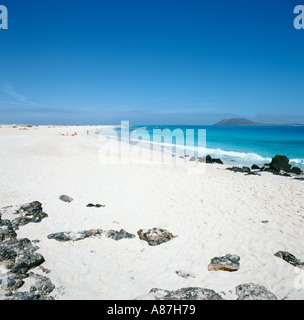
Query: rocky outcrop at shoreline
[[207, 159], [279, 165]]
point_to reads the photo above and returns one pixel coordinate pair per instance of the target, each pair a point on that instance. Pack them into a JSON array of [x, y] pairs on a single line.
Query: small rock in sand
[[118, 235], [155, 236], [65, 198], [97, 205], [184, 274], [290, 258], [229, 262]]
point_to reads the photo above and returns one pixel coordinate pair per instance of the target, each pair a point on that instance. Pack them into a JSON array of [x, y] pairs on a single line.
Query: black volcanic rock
[[238, 169], [296, 170], [279, 163], [209, 159], [97, 205]]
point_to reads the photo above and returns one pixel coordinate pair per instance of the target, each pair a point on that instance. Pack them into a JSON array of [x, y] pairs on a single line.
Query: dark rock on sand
[[209, 159], [118, 235], [296, 170], [251, 291], [80, 235], [10, 281], [155, 236], [191, 293], [18, 256], [300, 179], [22, 215], [41, 287], [184, 274], [252, 173], [255, 167], [6, 230], [66, 198], [279, 163], [229, 262], [290, 258], [238, 169], [75, 236], [97, 205]]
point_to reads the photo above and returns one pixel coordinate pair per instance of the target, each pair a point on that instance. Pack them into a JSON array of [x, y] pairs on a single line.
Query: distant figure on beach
[[87, 132]]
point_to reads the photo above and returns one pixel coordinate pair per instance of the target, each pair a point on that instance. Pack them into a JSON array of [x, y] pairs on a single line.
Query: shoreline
[[214, 213]]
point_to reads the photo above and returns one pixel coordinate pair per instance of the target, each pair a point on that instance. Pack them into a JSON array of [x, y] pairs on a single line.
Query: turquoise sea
[[239, 144]]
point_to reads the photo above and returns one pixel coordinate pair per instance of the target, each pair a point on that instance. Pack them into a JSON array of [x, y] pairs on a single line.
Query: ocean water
[[233, 144]]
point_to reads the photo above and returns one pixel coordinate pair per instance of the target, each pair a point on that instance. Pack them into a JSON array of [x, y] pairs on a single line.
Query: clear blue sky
[[151, 62]]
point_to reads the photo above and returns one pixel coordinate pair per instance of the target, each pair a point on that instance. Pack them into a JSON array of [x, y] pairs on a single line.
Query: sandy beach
[[213, 213]]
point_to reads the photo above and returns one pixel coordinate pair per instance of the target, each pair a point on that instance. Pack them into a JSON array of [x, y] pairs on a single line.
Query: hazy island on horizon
[[246, 122]]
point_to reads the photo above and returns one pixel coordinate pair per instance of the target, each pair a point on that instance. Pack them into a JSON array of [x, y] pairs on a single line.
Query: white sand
[[213, 213]]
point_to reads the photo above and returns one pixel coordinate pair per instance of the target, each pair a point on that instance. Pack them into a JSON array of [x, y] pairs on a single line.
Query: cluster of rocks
[[80, 235], [246, 291], [154, 236], [229, 262], [207, 159], [279, 165], [18, 256], [21, 215]]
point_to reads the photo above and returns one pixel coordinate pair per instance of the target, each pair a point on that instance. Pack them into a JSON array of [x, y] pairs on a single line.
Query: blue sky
[[151, 62]]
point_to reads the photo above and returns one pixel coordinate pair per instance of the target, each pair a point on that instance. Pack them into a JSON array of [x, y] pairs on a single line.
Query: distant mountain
[[236, 122], [246, 122]]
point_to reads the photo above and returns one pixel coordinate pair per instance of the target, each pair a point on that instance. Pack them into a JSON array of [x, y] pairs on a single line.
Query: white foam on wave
[[215, 152], [299, 161], [250, 156]]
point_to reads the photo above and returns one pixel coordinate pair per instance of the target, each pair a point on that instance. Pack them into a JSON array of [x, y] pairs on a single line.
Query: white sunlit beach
[[152, 154]]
